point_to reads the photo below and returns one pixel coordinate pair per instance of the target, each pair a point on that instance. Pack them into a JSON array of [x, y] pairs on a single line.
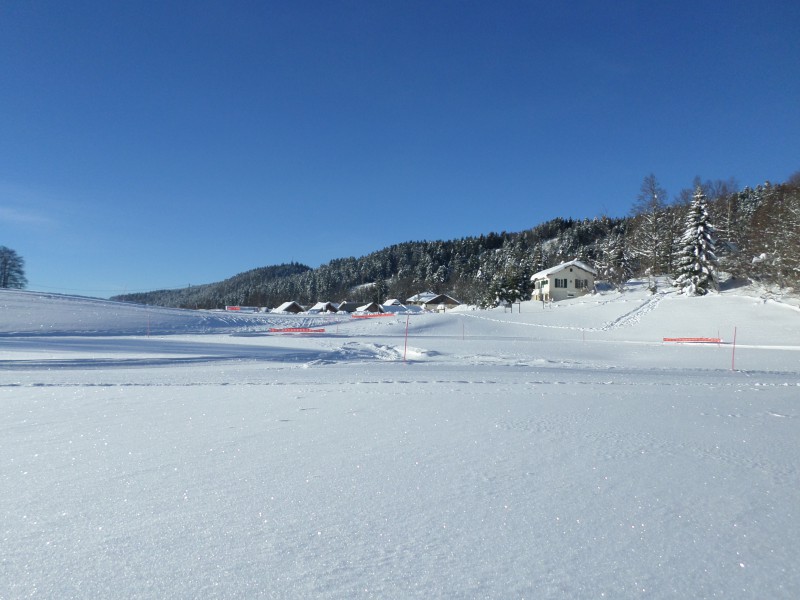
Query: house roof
[[291, 306], [324, 306], [442, 299], [421, 297], [396, 308], [371, 307], [561, 267], [347, 306]]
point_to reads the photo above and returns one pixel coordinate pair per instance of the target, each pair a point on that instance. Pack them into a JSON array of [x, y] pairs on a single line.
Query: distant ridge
[[757, 235]]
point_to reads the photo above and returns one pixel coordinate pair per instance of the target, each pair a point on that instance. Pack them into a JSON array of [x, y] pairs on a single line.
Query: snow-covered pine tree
[[538, 258], [697, 263], [615, 263]]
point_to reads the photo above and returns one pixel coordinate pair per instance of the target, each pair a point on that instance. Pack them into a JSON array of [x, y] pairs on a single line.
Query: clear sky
[[157, 144]]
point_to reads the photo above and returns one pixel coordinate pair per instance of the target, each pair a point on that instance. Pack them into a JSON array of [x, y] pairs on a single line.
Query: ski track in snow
[[635, 316]]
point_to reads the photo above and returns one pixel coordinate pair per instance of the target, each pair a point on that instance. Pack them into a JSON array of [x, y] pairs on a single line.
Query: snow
[[564, 451]]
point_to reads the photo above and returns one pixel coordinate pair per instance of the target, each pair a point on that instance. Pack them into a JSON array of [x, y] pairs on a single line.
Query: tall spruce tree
[[697, 263]]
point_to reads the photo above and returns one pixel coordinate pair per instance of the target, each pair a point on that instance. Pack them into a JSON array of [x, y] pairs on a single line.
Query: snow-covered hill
[[563, 451]]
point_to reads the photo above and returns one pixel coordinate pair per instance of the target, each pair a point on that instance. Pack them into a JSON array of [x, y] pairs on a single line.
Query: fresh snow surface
[[563, 451]]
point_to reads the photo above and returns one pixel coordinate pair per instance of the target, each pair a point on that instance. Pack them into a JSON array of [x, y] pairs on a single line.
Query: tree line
[[753, 233]]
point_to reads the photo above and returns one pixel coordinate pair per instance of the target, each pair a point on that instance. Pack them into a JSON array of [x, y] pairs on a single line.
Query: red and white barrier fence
[[693, 340]]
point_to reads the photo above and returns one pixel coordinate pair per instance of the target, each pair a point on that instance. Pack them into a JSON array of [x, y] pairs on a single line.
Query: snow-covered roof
[[347, 306], [561, 267], [371, 307], [324, 306], [422, 297], [290, 306], [394, 308], [442, 299]]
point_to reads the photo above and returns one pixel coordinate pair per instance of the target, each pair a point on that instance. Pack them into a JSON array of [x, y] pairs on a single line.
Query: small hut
[[372, 307], [347, 306], [289, 307], [323, 307]]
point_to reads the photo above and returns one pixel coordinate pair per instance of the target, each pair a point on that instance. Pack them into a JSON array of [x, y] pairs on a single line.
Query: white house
[[567, 280]]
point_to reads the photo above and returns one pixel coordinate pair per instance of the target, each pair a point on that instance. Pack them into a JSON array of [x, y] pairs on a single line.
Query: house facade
[[567, 280]]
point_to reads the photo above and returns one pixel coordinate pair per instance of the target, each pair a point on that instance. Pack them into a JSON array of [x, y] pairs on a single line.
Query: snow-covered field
[[557, 452]]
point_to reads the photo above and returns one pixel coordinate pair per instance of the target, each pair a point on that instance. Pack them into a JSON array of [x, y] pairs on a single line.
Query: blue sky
[[148, 144]]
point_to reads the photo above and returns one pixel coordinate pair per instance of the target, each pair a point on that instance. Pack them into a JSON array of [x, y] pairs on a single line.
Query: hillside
[[757, 234]]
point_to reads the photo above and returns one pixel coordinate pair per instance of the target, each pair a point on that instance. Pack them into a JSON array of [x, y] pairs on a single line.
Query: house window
[[581, 283], [560, 283]]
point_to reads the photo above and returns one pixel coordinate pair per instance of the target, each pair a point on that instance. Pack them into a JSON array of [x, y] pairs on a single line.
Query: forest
[[754, 232]]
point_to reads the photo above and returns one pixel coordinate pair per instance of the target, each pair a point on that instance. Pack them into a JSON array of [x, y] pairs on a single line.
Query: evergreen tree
[[379, 291], [697, 262], [12, 269], [510, 286], [774, 236], [616, 263], [538, 259]]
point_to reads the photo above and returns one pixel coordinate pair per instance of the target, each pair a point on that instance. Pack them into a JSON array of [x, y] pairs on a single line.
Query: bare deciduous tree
[[649, 233]]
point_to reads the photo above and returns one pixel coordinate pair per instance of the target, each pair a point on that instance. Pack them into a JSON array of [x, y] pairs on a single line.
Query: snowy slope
[[556, 452]]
